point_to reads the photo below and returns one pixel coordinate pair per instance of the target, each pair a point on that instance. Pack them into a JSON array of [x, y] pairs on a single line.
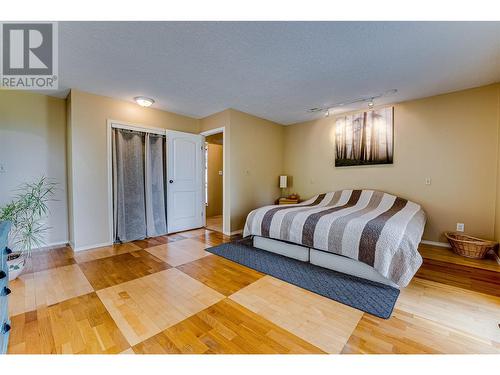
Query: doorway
[[214, 181]]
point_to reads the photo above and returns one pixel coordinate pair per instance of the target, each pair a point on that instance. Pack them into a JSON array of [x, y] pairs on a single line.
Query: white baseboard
[[435, 243], [236, 232], [88, 247], [51, 246]]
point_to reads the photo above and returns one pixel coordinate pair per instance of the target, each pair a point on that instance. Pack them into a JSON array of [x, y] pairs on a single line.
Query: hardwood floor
[[214, 223], [145, 306], [179, 252], [227, 328], [77, 325], [305, 314], [106, 272], [221, 274], [168, 295]]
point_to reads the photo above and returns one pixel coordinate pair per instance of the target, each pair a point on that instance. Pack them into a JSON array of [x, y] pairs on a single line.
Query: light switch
[[428, 181], [220, 173]]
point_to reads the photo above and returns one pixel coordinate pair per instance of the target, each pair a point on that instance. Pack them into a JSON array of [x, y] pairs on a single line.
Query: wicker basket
[[468, 246]]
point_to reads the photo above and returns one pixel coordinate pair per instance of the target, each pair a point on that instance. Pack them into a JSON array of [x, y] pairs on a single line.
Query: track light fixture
[[369, 100]]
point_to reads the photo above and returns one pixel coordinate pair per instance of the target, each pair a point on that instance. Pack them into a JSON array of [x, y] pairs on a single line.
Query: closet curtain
[[139, 198], [155, 182]]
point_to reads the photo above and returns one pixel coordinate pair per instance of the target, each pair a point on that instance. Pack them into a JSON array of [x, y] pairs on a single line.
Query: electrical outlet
[[428, 181], [460, 227], [2, 168], [220, 173]]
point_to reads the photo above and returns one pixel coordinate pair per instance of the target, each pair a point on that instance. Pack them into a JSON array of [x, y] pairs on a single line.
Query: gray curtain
[[139, 193], [155, 185], [128, 185]]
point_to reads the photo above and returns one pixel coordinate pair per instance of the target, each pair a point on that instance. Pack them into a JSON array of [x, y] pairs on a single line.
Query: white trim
[[206, 133], [225, 188], [89, 247], [51, 246], [235, 232], [136, 127], [434, 243], [110, 180]]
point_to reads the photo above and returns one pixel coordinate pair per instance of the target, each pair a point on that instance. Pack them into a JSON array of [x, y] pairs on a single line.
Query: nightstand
[[282, 201]]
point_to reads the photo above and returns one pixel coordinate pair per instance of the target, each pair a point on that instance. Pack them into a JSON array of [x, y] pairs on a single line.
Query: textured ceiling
[[274, 70]]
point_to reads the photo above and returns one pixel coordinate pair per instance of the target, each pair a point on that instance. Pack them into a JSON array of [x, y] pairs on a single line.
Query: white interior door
[[185, 203]]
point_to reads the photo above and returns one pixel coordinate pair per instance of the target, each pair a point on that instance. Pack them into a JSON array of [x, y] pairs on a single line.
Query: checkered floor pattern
[[168, 295]]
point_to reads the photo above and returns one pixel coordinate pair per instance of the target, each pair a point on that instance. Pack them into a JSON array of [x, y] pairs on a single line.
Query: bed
[[367, 233]]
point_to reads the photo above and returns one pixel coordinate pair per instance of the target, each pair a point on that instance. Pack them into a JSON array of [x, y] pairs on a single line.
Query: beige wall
[[452, 138], [32, 144], [253, 162], [497, 211], [256, 162], [214, 207], [89, 115]]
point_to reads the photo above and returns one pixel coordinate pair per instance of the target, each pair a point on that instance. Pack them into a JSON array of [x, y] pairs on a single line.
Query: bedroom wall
[[451, 138], [497, 211], [89, 115], [254, 160], [32, 145]]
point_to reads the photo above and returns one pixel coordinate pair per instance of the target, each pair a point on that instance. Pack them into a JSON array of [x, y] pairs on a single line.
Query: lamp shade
[[283, 182]]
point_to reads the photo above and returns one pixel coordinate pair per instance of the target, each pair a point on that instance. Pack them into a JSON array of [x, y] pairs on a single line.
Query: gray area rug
[[368, 296]]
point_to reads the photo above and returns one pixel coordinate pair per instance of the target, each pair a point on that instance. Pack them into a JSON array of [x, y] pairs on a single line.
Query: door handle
[[171, 181]]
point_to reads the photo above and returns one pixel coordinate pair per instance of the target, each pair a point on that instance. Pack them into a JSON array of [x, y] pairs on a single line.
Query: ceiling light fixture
[[370, 100], [144, 101]]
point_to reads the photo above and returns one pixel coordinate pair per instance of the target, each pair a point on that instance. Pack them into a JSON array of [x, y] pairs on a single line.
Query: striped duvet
[[376, 228]]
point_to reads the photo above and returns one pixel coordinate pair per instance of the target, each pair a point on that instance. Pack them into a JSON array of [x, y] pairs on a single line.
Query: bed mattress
[[373, 227]]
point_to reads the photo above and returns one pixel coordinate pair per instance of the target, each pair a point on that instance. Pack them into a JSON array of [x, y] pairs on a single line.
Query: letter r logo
[[27, 48]]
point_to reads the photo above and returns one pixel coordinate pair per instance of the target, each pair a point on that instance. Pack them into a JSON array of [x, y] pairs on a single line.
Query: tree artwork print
[[364, 138]]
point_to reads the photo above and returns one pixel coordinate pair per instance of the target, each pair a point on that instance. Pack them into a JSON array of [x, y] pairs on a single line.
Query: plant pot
[[16, 263]]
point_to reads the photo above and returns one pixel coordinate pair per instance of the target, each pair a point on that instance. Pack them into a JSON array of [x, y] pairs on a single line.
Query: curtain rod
[[141, 132], [138, 129]]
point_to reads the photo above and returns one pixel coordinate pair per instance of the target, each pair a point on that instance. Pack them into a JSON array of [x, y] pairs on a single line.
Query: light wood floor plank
[[321, 321], [32, 290], [179, 252], [148, 305], [469, 312], [406, 333]]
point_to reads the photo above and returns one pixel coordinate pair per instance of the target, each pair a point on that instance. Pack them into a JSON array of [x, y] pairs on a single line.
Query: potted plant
[[27, 213]]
